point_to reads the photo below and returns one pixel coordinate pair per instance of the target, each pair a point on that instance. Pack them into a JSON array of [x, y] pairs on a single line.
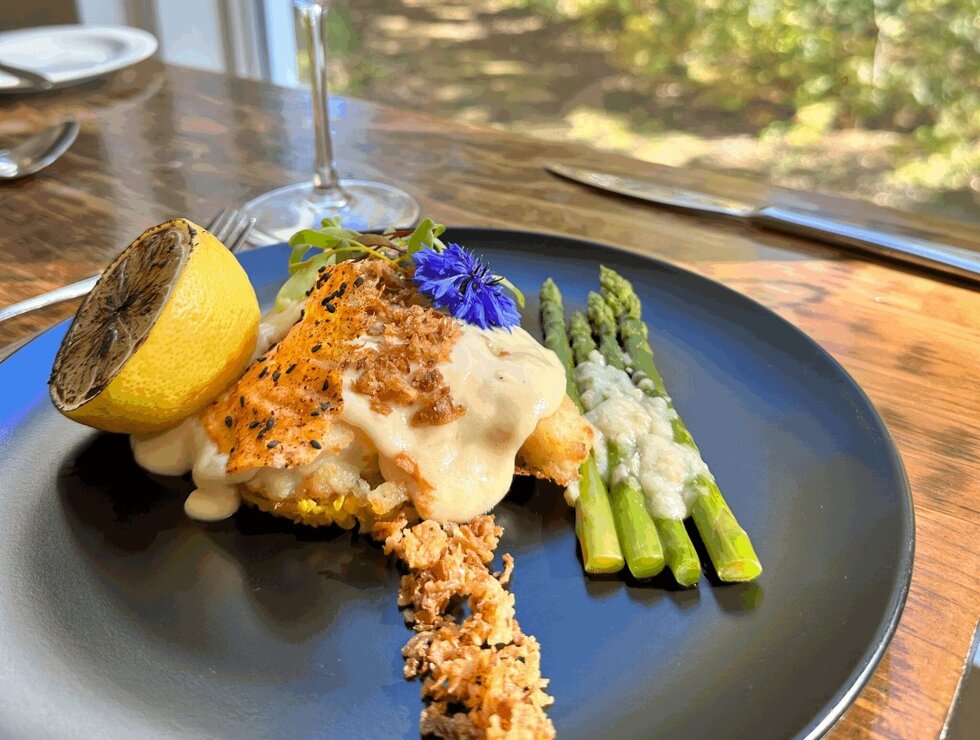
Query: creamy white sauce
[[275, 325], [506, 381], [186, 448], [212, 504], [572, 492], [640, 427]]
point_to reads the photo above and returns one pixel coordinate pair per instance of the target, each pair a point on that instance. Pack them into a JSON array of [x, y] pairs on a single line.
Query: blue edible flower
[[459, 282]]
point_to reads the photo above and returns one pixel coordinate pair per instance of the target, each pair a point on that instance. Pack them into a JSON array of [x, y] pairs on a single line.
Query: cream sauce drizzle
[[507, 382], [641, 427], [505, 379]]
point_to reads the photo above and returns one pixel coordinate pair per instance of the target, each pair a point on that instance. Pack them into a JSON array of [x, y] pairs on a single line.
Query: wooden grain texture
[[158, 141]]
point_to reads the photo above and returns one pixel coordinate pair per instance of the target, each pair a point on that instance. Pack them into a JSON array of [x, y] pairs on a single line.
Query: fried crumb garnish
[[285, 403], [485, 665], [401, 369]]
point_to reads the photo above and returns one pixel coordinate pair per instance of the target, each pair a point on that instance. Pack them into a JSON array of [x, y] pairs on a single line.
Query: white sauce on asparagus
[[640, 427], [572, 492], [505, 379]]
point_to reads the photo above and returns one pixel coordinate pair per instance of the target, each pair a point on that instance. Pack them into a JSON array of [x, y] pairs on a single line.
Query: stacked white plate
[[67, 55]]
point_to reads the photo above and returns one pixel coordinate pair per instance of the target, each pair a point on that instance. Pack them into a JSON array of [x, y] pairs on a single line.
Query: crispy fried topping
[[401, 369], [485, 664], [293, 392]]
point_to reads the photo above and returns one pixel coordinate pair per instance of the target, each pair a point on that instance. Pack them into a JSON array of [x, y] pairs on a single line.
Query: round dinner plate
[[71, 54], [121, 618]]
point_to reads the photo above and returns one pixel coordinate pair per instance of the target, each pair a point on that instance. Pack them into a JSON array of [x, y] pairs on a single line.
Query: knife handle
[[963, 263]]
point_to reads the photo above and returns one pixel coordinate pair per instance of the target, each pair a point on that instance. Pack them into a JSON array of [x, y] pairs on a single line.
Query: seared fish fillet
[[282, 417], [557, 447]]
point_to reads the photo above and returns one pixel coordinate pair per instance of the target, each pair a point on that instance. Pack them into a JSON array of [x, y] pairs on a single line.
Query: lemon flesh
[[171, 323]]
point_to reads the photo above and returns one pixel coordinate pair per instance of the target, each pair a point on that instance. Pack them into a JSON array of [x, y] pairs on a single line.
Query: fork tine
[[216, 220], [231, 227], [226, 224], [241, 235]]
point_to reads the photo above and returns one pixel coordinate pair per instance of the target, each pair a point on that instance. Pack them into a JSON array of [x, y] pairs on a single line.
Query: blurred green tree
[[911, 66]]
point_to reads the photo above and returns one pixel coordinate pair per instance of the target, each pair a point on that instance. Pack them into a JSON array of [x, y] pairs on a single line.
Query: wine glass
[[363, 205]]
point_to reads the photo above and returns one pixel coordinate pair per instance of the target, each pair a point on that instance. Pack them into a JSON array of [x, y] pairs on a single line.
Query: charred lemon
[[170, 324]]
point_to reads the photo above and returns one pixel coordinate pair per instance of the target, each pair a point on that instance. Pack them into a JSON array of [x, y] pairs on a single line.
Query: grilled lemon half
[[171, 323]]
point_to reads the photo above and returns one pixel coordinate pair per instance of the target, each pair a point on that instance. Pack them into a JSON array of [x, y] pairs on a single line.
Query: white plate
[[68, 55]]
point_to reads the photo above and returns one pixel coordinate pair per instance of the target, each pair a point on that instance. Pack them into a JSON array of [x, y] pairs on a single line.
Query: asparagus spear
[[637, 533], [593, 514], [604, 323], [728, 545], [679, 552]]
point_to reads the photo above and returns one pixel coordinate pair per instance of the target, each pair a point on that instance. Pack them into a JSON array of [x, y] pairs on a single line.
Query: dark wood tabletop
[[158, 141]]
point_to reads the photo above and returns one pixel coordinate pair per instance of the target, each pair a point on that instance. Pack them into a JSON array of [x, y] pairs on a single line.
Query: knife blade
[[946, 258]]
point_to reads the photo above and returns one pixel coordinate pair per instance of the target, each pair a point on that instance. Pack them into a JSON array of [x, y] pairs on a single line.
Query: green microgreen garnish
[[336, 244]]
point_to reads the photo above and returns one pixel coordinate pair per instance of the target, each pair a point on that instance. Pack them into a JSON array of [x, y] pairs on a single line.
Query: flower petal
[[456, 280]]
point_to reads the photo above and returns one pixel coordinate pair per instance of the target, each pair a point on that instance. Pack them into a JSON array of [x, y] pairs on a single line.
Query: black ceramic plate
[[121, 618]]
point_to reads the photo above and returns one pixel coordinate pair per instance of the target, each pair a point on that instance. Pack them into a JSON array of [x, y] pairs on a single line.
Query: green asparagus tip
[[599, 311], [580, 323], [618, 293], [606, 280], [604, 322], [549, 291]]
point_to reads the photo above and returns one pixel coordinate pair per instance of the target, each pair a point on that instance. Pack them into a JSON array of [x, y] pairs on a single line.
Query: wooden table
[[159, 141]]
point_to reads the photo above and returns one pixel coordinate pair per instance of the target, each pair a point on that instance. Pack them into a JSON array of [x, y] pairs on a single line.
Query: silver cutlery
[[230, 226], [37, 151], [33, 81], [963, 263]]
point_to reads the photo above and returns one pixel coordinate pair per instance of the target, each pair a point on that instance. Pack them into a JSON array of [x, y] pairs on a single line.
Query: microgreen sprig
[[332, 243]]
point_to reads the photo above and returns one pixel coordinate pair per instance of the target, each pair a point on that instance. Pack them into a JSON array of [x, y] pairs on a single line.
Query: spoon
[[33, 81], [37, 151]]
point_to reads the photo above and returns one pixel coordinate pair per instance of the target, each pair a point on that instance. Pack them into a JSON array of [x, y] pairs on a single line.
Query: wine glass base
[[370, 206]]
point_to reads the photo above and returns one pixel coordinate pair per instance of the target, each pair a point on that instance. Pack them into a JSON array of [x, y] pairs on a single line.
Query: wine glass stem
[[326, 183]]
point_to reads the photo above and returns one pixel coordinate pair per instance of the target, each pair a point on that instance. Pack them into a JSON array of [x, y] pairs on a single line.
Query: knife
[[957, 261]]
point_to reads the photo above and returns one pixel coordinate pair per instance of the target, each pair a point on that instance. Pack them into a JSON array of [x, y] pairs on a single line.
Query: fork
[[229, 225]]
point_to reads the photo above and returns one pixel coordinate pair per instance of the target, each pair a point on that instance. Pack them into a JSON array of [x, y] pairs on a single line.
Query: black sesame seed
[[331, 308], [290, 368], [326, 384], [232, 450], [315, 445], [260, 359], [359, 282], [241, 401], [316, 347], [314, 413], [228, 421], [265, 371], [275, 376], [324, 406], [326, 300], [302, 313], [253, 425], [270, 422], [272, 443], [322, 268], [342, 289]]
